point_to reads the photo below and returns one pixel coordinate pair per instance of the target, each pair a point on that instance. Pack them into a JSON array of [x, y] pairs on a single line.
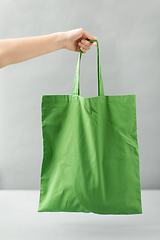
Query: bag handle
[[77, 74]]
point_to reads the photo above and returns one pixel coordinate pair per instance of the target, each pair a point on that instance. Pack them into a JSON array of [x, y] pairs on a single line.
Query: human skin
[[18, 50]]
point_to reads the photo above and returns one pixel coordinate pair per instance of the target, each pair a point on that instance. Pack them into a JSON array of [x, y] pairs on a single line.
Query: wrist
[[58, 41], [62, 39]]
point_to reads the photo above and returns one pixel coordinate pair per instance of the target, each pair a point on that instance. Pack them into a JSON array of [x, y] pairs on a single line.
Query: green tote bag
[[90, 152]]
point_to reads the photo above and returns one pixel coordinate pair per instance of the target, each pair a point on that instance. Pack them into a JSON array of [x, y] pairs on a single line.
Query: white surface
[[19, 219]]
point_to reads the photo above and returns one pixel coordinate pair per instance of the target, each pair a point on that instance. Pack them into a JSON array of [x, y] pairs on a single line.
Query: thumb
[[93, 38], [94, 43], [90, 37]]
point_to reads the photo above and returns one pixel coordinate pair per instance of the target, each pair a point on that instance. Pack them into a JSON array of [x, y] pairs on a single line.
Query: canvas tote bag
[[90, 152]]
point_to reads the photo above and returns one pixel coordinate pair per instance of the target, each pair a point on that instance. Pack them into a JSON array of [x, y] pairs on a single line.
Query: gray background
[[129, 37]]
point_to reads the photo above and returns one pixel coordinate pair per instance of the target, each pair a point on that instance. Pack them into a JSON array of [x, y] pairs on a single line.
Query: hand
[[76, 40]]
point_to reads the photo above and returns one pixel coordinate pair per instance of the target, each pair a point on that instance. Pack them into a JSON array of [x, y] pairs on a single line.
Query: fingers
[[88, 35], [94, 43], [84, 45]]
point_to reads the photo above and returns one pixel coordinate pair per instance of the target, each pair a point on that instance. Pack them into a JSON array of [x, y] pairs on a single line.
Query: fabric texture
[[90, 152]]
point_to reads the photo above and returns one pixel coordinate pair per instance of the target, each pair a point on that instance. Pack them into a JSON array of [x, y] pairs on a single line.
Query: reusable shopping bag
[[90, 152]]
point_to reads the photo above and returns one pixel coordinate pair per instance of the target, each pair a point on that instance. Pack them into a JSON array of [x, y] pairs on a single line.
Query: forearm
[[22, 49]]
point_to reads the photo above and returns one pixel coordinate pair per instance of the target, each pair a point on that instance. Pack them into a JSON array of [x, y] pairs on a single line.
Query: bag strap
[[77, 74]]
